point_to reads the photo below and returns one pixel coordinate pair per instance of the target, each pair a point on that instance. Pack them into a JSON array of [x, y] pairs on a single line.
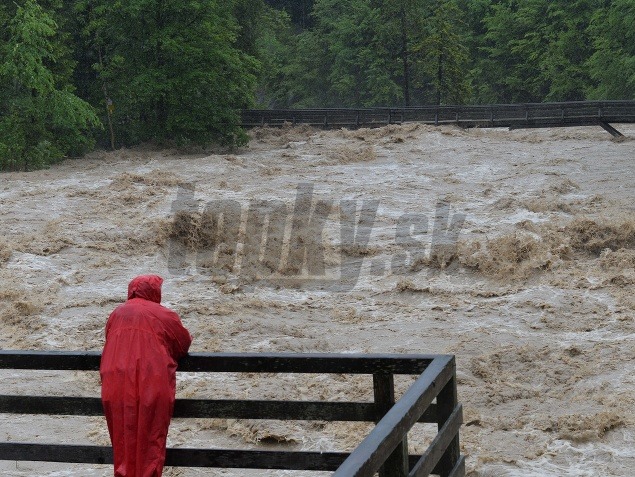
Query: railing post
[[397, 463], [447, 400]]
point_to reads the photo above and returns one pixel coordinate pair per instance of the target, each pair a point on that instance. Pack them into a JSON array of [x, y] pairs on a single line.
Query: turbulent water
[[515, 251]]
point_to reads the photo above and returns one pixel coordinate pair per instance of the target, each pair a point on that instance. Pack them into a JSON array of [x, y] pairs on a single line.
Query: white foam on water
[[566, 459]]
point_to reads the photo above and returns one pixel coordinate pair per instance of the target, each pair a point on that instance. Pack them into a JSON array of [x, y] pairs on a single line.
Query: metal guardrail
[[385, 449], [514, 116]]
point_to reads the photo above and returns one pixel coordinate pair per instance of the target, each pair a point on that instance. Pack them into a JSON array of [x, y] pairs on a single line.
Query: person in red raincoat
[[144, 340]]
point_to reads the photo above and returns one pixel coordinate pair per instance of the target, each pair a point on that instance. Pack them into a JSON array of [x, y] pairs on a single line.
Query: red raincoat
[[144, 340]]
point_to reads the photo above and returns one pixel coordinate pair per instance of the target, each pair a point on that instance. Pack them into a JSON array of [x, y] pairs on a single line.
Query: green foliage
[[299, 11], [180, 71], [250, 16], [41, 120], [358, 73], [444, 55], [568, 49], [172, 69], [307, 72], [276, 46], [376, 53], [509, 67], [536, 51], [612, 64], [385, 52], [401, 27], [341, 61]]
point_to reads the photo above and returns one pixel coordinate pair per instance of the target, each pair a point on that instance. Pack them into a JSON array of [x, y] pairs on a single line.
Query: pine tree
[[506, 71], [354, 66], [308, 71], [401, 28], [41, 120], [612, 65], [536, 51], [569, 47], [276, 45], [473, 14], [298, 10], [443, 55]]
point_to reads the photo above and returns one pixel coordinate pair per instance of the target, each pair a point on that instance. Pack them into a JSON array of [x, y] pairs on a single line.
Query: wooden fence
[[527, 115], [384, 450]]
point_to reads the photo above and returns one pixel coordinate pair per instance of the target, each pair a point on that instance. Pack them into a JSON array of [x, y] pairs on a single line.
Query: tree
[[354, 65], [536, 50], [250, 16], [569, 48], [173, 70], [444, 55], [473, 14], [308, 71], [298, 10], [509, 68], [41, 120], [276, 47], [612, 65], [401, 27]]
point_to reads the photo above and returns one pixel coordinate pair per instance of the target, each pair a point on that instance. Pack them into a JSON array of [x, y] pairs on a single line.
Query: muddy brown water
[[535, 298]]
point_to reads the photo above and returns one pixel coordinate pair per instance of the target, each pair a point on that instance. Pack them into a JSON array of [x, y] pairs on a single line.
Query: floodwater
[[513, 250]]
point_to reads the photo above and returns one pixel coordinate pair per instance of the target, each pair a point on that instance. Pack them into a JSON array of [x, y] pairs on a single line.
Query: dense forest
[[120, 72]]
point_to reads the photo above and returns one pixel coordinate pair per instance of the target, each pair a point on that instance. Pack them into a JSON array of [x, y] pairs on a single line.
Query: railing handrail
[[373, 451], [433, 107], [387, 442], [515, 116], [320, 363]]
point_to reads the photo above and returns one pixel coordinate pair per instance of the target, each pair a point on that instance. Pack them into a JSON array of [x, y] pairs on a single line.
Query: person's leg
[[154, 421], [122, 421]]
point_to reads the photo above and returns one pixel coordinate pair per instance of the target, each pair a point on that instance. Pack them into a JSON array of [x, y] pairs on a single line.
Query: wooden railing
[[526, 115], [385, 449]]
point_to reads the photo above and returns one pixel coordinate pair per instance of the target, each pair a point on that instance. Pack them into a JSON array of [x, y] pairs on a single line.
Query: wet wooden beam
[[610, 129], [322, 363], [396, 464], [179, 457], [372, 452], [431, 460], [449, 414], [212, 408]]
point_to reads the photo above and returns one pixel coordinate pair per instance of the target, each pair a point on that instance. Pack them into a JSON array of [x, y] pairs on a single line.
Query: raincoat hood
[[147, 287]]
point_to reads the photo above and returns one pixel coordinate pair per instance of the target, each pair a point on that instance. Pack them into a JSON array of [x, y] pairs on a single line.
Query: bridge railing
[[431, 399], [575, 113]]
